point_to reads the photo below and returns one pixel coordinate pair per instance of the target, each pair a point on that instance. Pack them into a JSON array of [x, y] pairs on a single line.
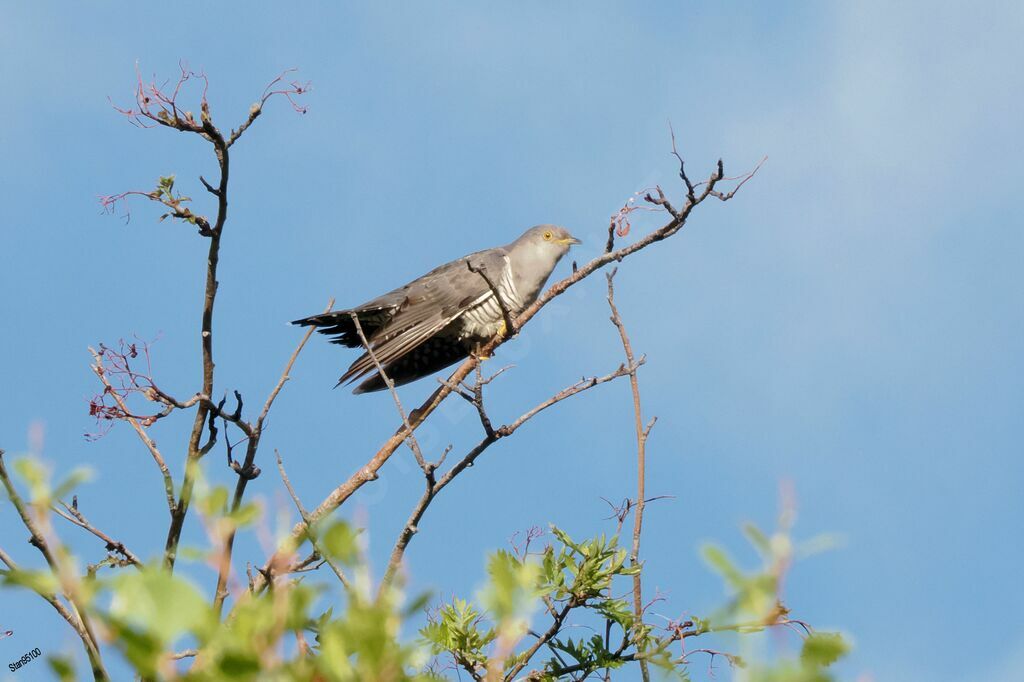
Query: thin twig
[[690, 188], [150, 444], [248, 470], [411, 526], [51, 598], [413, 443], [641, 459], [76, 517], [551, 632], [305, 516], [506, 315]]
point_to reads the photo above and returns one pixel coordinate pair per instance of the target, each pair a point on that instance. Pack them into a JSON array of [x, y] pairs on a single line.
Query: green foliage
[[164, 193], [37, 477], [755, 605], [153, 613], [457, 628], [339, 541], [559, 613], [822, 649], [62, 667], [578, 582], [151, 610], [569, 578]]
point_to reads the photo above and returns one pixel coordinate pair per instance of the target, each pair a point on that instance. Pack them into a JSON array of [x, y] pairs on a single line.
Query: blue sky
[[851, 322]]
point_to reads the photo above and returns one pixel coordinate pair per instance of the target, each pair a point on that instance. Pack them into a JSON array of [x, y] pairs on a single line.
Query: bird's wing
[[431, 303]]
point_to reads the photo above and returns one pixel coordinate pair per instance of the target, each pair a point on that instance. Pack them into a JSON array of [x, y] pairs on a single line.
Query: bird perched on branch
[[440, 318]]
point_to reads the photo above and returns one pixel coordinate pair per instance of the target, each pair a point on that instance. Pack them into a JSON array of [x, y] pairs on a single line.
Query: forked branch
[[491, 436], [368, 472]]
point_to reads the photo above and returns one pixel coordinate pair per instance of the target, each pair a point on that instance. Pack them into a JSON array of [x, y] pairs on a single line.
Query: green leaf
[[339, 541], [245, 514], [73, 480], [42, 582], [818, 544], [564, 538], [159, 604], [822, 649], [235, 665], [63, 667], [758, 539], [214, 502], [36, 475], [512, 588], [716, 557]]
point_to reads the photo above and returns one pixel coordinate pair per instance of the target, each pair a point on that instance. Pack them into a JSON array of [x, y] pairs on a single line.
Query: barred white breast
[[484, 319]]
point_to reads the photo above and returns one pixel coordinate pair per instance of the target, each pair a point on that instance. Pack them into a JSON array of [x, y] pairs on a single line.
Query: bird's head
[[550, 242]]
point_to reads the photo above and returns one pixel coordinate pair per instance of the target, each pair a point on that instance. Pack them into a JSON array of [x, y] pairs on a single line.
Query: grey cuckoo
[[440, 318]]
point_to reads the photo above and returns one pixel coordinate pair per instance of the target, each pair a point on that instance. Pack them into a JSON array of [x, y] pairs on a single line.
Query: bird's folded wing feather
[[432, 303]]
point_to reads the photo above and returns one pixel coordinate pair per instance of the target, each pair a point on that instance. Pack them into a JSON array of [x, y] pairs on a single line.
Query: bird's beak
[[571, 241]]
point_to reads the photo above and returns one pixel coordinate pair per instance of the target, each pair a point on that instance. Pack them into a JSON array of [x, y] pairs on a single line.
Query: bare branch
[[289, 90], [305, 517], [641, 455], [725, 196], [157, 106], [78, 618], [690, 188], [285, 375], [506, 315], [168, 115], [62, 610], [413, 443], [248, 470], [72, 514], [124, 380], [411, 526], [661, 200], [100, 371], [368, 472], [174, 204]]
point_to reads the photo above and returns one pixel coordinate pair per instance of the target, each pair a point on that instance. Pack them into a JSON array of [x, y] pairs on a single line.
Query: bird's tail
[[339, 324]]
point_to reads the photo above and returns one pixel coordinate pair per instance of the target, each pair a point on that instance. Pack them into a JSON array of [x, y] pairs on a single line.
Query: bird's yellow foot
[[479, 354]]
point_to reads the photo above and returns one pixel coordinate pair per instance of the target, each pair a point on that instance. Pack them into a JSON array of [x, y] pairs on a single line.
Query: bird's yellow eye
[[547, 235]]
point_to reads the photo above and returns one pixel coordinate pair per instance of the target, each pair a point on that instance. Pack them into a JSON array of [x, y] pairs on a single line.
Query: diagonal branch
[[58, 606], [305, 516], [369, 471], [248, 470], [491, 436], [72, 514], [408, 428], [38, 540]]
